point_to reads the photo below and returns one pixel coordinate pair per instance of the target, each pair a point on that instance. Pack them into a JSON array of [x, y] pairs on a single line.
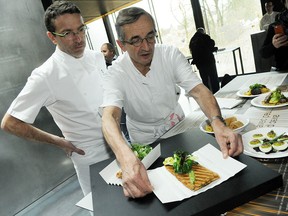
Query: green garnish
[[183, 162], [257, 85], [140, 150]]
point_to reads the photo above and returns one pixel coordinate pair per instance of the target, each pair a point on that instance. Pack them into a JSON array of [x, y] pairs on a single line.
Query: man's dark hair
[[110, 47], [56, 9], [128, 16]]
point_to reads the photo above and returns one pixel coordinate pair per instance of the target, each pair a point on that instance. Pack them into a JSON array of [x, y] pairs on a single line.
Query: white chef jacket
[[267, 19], [151, 101], [71, 89]]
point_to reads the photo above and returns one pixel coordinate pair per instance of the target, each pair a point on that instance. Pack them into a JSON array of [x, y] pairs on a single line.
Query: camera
[[281, 24]]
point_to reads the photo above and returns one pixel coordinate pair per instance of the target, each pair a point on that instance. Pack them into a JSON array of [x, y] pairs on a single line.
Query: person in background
[[268, 17], [109, 53], [148, 91], [69, 85], [201, 48], [276, 43]]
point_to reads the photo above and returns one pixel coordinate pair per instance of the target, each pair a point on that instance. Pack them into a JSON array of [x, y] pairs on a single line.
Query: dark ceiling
[[92, 9]]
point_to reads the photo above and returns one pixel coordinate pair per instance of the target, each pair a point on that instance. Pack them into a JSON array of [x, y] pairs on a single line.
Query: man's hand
[[279, 40], [230, 143], [69, 148], [135, 179]]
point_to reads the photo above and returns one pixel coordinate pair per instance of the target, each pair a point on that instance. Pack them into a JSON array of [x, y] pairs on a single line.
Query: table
[[275, 202], [255, 180]]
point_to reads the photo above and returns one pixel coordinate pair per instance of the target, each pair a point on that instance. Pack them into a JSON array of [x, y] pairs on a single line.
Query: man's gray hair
[[128, 16]]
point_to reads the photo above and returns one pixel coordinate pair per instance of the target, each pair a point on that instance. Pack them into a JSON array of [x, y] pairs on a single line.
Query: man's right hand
[[69, 148], [279, 40], [135, 180]]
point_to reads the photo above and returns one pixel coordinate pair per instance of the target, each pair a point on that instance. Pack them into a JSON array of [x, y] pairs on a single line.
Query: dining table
[[259, 189], [276, 201]]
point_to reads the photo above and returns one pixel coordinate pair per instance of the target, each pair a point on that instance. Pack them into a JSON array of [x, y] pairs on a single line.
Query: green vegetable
[[183, 162], [275, 96], [192, 176], [140, 150], [257, 85]]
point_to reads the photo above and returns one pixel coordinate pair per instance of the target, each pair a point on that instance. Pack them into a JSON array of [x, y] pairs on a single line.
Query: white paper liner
[[168, 189], [109, 172]]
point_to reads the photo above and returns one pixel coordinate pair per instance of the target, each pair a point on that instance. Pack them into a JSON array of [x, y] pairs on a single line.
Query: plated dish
[[240, 122], [259, 101], [253, 91], [257, 137], [188, 171]]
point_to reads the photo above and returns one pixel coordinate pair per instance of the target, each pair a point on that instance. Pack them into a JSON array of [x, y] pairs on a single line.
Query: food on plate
[[231, 122], [266, 147], [140, 151], [188, 171], [258, 136], [283, 138], [271, 134], [256, 89], [270, 143], [280, 145], [276, 97], [208, 128], [255, 143]]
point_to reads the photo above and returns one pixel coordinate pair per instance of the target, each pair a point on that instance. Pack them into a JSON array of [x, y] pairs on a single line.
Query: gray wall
[[27, 170]]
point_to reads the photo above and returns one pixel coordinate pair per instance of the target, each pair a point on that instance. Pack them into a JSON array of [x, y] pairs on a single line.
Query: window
[[230, 23]]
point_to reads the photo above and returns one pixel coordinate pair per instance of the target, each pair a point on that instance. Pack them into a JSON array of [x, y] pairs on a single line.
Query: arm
[[267, 49], [134, 174], [230, 143], [21, 129]]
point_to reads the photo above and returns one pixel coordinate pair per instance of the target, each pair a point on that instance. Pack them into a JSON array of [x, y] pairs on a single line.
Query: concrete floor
[[59, 202]]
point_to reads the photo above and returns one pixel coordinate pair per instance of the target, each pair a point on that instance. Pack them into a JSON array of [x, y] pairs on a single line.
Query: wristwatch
[[217, 117]]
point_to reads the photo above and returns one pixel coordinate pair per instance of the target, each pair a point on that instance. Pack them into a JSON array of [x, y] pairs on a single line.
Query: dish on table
[[204, 126], [259, 101], [250, 138], [253, 91]]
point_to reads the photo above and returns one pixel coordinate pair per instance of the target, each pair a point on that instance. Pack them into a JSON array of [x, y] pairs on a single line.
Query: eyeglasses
[[71, 34], [137, 41]]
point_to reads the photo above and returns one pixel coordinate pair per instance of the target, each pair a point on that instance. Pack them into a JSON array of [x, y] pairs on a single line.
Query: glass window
[[176, 23], [230, 23], [96, 35]]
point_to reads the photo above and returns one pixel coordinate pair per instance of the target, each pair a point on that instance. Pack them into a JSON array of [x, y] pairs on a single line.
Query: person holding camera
[[276, 41]]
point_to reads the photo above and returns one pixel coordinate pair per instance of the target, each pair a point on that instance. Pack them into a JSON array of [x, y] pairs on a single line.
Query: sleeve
[[267, 49], [112, 95], [183, 73], [31, 99]]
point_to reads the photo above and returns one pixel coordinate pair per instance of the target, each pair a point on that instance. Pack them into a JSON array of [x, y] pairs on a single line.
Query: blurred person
[[201, 48], [149, 92], [276, 43], [268, 17], [68, 84], [109, 53]]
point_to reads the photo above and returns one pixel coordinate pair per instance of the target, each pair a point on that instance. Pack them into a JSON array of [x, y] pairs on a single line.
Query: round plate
[[246, 137], [258, 101], [241, 118], [241, 93]]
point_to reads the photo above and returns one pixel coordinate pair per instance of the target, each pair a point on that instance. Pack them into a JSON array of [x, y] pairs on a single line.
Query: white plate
[[241, 93], [241, 118], [251, 152], [258, 101]]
